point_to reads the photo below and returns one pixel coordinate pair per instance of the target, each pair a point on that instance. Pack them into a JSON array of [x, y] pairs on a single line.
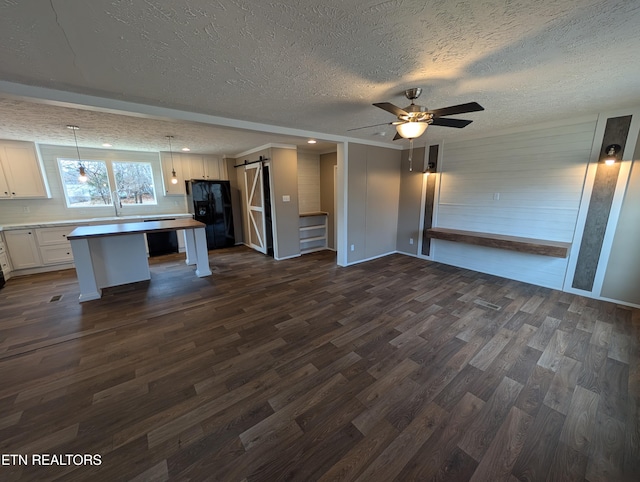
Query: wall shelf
[[313, 232], [554, 249]]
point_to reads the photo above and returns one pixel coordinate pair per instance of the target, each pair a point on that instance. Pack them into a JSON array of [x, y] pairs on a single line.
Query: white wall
[[622, 278], [14, 211], [526, 184]]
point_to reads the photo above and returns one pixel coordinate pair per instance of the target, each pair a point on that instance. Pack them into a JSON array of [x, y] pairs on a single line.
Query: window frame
[[65, 191], [111, 179]]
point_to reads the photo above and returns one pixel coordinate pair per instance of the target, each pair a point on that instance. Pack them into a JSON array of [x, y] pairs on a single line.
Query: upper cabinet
[[170, 164], [189, 166], [20, 171], [204, 167]]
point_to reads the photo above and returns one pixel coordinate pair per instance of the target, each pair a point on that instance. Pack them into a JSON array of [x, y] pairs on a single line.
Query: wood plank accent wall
[[526, 184], [604, 187], [308, 182], [429, 198]]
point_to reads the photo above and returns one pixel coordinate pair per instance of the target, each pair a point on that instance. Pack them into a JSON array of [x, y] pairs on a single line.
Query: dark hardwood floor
[[394, 369]]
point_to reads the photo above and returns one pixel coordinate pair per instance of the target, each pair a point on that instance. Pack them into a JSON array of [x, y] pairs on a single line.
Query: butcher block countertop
[[120, 229]]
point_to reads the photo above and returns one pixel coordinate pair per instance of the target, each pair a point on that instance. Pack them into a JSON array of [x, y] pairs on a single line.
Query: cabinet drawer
[[56, 254], [51, 236]]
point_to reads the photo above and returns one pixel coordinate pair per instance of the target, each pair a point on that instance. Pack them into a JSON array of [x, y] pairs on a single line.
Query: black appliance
[[1, 278], [164, 242], [210, 203]]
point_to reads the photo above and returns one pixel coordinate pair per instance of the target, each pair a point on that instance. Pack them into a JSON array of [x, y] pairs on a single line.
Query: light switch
[[286, 198]]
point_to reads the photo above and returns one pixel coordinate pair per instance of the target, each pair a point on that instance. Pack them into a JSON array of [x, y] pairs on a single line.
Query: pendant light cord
[[171, 152], [74, 128], [410, 154]]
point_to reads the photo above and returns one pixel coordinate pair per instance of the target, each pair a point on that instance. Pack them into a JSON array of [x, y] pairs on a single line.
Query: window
[[95, 192], [134, 182]]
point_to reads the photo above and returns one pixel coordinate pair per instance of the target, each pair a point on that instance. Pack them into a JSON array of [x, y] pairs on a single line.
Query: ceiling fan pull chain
[[410, 154]]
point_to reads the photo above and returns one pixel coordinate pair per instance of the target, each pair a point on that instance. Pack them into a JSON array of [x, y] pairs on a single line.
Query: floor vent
[[55, 298], [486, 304]]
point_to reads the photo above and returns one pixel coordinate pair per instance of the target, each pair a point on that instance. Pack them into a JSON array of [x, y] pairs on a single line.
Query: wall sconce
[[611, 152], [431, 167]]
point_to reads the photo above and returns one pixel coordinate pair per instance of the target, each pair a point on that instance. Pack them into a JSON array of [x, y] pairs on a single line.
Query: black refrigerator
[[210, 203]]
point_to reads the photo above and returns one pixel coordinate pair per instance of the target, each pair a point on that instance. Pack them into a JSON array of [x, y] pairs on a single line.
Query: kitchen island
[[116, 254]]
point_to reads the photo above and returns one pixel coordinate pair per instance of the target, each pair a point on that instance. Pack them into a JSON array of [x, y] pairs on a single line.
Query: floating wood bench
[[555, 249]]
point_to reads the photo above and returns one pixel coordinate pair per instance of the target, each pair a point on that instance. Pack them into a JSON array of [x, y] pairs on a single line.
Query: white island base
[[116, 254]]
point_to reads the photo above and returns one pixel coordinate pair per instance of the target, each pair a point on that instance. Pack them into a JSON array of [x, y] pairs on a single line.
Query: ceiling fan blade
[[397, 136], [389, 107], [457, 109], [459, 123], [366, 127]]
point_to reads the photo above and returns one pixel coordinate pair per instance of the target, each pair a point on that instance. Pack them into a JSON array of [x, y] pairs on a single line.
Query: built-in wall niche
[[313, 232]]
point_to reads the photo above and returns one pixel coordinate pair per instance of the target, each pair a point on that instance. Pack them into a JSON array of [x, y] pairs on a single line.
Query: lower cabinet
[[54, 246], [33, 248], [4, 259], [23, 248]]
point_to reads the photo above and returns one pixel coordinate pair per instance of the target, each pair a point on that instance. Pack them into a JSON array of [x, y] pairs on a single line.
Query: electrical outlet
[[353, 247], [496, 196], [410, 240], [286, 198]]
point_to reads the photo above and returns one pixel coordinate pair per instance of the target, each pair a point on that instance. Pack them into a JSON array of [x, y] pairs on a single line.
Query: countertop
[[119, 229], [92, 221]]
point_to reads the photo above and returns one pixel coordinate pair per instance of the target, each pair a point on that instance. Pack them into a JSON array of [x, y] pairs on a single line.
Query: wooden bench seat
[[555, 249]]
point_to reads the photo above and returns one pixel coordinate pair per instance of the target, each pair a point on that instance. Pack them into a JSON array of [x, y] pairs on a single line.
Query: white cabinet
[[54, 246], [20, 171], [168, 165], [203, 167], [4, 259], [23, 248], [189, 166]]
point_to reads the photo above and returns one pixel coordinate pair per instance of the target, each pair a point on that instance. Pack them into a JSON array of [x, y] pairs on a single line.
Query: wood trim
[[554, 249]]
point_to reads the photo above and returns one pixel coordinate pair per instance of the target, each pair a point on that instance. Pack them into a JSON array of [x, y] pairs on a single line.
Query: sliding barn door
[[255, 206]]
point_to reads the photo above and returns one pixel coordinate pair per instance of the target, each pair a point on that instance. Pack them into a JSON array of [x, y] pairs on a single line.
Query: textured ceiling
[[317, 66]]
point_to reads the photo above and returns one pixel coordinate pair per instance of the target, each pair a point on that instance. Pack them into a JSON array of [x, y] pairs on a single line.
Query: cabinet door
[[196, 166], [167, 167], [22, 170], [212, 168], [23, 249], [4, 184]]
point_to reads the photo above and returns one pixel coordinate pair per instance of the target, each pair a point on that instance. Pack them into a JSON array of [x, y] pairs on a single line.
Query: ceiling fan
[[414, 119]]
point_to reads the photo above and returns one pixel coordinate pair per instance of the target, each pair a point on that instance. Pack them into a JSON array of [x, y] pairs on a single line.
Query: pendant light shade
[[412, 130], [82, 177]]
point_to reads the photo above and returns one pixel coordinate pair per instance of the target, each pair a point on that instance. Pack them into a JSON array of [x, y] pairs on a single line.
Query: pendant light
[[174, 178], [82, 175]]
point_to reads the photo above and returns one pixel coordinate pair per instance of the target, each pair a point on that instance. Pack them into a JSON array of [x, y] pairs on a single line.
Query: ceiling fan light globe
[[412, 130]]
